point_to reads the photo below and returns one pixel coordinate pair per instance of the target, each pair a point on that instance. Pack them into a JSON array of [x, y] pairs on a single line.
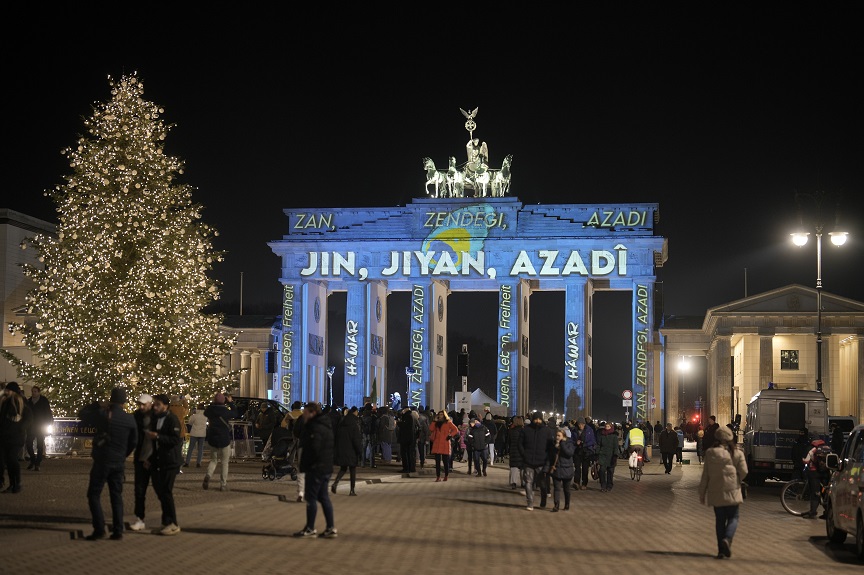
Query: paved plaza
[[400, 524]]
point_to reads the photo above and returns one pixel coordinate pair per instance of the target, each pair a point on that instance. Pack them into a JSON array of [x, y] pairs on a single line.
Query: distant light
[[838, 238], [799, 238], [684, 364]]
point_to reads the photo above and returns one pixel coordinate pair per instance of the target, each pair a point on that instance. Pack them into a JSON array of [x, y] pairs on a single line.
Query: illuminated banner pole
[[508, 337], [642, 307], [289, 364], [419, 346], [574, 344]]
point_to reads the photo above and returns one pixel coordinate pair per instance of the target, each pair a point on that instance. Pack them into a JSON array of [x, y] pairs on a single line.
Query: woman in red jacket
[[441, 430]]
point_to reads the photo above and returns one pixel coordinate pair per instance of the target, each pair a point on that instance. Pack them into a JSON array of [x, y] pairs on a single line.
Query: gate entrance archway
[[433, 247]]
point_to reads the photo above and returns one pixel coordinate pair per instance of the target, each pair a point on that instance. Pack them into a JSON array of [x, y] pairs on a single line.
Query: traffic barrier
[[67, 436]]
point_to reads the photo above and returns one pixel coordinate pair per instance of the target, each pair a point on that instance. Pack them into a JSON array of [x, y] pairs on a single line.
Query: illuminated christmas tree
[[122, 287]]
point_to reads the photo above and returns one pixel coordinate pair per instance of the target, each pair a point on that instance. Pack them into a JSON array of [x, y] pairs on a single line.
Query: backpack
[[819, 456]]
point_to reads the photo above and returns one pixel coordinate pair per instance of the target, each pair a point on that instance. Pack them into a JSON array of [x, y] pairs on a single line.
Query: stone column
[[722, 381]]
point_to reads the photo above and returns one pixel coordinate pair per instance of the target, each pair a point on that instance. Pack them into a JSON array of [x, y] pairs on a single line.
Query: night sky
[[719, 117]]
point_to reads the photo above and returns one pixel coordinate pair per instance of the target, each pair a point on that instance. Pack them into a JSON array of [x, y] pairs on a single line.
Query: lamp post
[[683, 368], [330, 371], [799, 238], [409, 371]]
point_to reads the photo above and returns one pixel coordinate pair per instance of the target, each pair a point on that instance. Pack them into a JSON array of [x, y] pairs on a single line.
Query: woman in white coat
[[720, 487]]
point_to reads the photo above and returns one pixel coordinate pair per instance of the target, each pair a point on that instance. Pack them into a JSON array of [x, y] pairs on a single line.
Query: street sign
[[626, 403], [627, 394]]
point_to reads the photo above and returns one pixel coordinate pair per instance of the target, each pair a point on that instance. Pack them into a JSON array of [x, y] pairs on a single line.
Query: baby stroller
[[278, 456]]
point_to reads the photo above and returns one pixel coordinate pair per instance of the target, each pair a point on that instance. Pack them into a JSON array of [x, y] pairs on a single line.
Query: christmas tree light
[[121, 288]]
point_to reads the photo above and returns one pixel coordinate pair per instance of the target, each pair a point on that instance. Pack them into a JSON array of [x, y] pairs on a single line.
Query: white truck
[[774, 418]]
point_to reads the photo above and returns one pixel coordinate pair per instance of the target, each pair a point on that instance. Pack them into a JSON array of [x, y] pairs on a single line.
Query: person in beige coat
[[720, 487]]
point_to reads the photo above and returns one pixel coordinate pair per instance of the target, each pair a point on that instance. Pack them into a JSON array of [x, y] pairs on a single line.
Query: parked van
[[774, 418]]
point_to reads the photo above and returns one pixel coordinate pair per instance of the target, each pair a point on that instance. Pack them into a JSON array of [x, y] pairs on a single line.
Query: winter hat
[[13, 386], [723, 434], [220, 398], [118, 395], [566, 431], [145, 398]]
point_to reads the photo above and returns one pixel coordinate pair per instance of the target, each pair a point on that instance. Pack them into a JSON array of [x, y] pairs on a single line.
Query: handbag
[[595, 470], [744, 487]]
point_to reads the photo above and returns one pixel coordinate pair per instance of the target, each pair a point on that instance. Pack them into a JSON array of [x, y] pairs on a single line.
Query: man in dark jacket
[[668, 447], [219, 437], [708, 438], [15, 417], [534, 445], [479, 436], [141, 459], [42, 417], [349, 443], [166, 459], [316, 462], [116, 436]]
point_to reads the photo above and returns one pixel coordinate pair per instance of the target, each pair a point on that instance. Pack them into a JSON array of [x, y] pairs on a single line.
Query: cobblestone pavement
[[653, 526]]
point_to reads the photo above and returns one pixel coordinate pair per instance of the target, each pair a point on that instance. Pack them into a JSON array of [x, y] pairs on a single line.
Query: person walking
[[799, 452], [348, 445], [265, 422], [668, 447], [720, 487], [607, 455], [141, 458], [116, 437], [533, 446], [423, 423], [197, 436], [15, 418], [710, 430], [386, 433], [490, 424], [166, 459], [658, 429], [585, 443], [316, 462], [479, 436], [516, 461], [679, 453], [408, 432], [220, 434], [40, 407], [441, 432], [562, 468]]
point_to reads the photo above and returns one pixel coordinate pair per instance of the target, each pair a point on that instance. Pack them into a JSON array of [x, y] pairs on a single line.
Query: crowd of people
[[549, 457]]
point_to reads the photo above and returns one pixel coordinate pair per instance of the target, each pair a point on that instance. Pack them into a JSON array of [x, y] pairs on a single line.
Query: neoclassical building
[[771, 338]]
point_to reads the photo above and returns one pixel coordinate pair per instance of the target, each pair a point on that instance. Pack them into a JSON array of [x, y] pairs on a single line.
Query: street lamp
[[409, 371], [799, 238], [683, 368], [330, 371]]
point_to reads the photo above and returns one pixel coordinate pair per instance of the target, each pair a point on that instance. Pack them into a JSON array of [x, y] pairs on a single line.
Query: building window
[[789, 359]]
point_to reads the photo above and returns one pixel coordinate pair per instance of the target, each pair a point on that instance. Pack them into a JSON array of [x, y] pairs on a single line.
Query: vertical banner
[[288, 361], [419, 346], [641, 346], [574, 344], [508, 340]]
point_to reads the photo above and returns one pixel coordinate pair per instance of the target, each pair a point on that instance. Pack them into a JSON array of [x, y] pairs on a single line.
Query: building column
[[720, 387], [766, 360], [357, 318], [245, 382], [574, 346], [256, 366], [643, 311]]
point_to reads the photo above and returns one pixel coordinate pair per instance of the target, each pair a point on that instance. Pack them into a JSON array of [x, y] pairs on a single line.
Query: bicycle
[[795, 496]]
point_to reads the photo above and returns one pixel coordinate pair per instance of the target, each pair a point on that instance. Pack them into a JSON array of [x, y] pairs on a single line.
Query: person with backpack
[[220, 434], [816, 473], [386, 434]]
